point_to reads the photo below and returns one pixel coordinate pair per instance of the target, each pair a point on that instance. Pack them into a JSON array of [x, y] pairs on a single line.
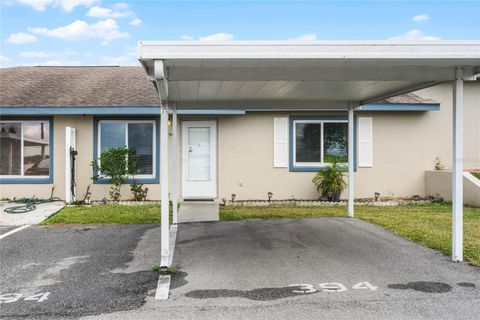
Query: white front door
[[199, 159]]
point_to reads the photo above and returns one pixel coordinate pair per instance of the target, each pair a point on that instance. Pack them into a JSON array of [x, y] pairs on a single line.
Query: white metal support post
[[160, 76], [351, 164], [457, 168], [174, 166], [164, 210]]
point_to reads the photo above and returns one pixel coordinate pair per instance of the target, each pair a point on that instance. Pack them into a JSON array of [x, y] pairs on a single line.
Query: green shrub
[[115, 164], [138, 191]]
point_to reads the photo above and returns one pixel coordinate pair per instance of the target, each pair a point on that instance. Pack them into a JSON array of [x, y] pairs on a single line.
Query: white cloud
[[415, 34], [37, 54], [62, 63], [43, 54], [120, 61], [52, 63], [69, 52], [106, 30], [213, 37], [38, 5], [67, 5], [421, 17], [99, 12], [21, 38], [217, 37], [120, 6], [132, 51], [136, 22], [4, 60], [306, 37]]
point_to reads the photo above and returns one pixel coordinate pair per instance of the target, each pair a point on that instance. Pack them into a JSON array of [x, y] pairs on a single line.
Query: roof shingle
[[76, 86]]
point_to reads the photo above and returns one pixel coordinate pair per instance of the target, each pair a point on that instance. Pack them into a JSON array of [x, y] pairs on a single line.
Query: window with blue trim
[[138, 135], [319, 142], [25, 149]]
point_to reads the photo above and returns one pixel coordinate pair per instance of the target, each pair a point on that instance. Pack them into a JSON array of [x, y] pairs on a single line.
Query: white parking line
[[13, 231], [163, 285], [173, 237]]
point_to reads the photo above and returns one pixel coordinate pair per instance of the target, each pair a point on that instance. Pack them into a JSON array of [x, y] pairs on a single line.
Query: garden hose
[[29, 204]]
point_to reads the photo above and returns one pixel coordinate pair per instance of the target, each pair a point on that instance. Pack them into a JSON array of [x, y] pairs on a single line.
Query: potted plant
[[329, 181]]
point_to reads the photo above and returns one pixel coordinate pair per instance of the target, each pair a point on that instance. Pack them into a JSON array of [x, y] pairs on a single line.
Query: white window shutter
[[365, 142], [280, 142]]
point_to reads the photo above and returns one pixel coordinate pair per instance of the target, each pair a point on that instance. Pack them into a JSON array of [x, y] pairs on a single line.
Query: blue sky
[[99, 32]]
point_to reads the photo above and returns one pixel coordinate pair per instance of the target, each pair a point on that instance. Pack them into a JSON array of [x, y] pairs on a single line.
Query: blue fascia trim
[[29, 180], [81, 110], [343, 168], [148, 110], [212, 111], [400, 107], [154, 180]]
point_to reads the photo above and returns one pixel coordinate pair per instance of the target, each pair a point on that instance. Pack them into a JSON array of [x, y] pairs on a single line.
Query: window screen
[[335, 142], [112, 135], [138, 136], [140, 139], [321, 142], [34, 138], [307, 142]]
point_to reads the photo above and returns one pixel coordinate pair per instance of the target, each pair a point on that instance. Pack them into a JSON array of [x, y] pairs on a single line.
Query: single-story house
[[249, 118], [398, 139]]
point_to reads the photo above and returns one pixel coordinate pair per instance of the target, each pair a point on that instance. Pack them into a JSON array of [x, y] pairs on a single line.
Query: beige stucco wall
[[84, 131], [405, 145]]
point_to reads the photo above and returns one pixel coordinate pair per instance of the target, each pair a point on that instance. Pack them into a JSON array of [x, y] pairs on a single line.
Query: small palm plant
[[330, 182]]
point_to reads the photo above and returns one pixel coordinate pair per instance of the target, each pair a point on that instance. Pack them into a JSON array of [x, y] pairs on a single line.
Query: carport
[[303, 76]]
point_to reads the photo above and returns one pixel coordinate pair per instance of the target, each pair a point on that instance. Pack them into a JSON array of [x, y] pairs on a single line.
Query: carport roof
[[300, 75]]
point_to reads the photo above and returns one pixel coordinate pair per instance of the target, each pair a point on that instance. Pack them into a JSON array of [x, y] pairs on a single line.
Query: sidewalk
[[42, 212]]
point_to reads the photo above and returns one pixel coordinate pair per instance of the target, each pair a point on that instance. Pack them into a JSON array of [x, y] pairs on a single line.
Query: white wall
[[440, 182]]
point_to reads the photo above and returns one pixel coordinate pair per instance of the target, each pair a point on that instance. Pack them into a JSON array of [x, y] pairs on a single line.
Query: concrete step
[[198, 211]]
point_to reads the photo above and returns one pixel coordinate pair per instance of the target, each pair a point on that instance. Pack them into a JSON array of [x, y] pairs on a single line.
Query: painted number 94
[[330, 287], [14, 297]]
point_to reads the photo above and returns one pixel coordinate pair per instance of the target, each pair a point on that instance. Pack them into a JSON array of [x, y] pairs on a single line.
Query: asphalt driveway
[[60, 272], [338, 267], [268, 269]]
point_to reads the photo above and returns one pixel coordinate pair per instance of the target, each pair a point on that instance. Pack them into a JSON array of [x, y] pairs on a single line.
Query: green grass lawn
[[107, 214], [430, 225]]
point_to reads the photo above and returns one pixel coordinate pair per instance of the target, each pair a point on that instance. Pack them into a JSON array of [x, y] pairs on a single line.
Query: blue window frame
[[26, 155], [139, 133], [314, 141]]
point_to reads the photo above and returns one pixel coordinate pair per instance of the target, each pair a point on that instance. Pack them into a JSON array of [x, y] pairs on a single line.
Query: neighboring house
[[236, 151]]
